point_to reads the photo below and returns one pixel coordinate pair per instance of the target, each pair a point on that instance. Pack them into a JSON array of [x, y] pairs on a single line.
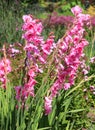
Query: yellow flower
[[91, 10]]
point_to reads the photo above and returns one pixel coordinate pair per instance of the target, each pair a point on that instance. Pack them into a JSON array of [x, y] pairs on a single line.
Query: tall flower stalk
[[5, 68], [69, 56], [37, 51], [66, 60]]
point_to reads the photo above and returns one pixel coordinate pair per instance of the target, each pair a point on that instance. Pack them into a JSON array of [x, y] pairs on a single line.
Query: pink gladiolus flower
[[85, 71], [66, 86], [18, 92], [47, 47], [48, 106], [92, 88], [70, 54], [92, 60], [27, 18], [38, 48], [76, 10], [29, 89], [15, 51], [5, 68], [55, 88], [31, 73]]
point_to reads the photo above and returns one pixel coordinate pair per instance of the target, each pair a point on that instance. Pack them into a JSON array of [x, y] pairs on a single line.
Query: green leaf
[[75, 111], [67, 128], [51, 117], [46, 128], [79, 85]]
